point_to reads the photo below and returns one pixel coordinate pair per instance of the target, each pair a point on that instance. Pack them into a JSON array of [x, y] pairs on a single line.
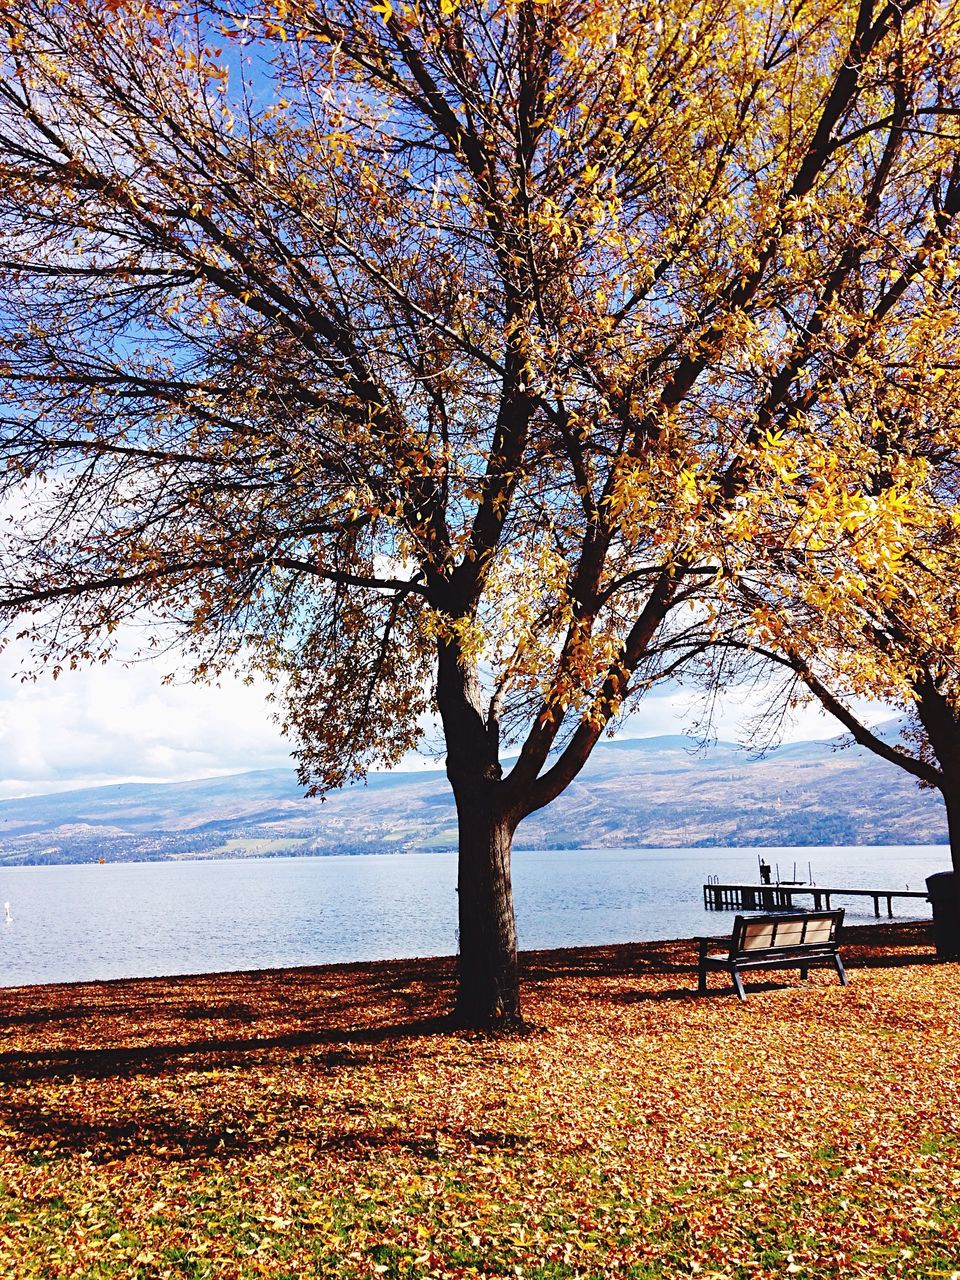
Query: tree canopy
[[437, 353], [863, 600]]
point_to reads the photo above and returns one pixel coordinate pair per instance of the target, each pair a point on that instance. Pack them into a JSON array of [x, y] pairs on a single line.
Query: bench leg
[[738, 984], [841, 972], [702, 970], [804, 971]]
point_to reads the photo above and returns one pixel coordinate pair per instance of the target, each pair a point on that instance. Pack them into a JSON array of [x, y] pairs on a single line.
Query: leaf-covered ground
[[315, 1122]]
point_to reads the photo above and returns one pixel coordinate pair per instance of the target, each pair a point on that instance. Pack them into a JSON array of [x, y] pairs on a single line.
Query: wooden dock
[[774, 897]]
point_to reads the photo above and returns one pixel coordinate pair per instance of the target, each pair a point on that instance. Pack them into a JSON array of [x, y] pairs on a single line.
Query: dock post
[[876, 905], [817, 900], [890, 905]]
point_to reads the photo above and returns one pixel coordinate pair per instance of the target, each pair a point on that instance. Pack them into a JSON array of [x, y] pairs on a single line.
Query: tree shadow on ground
[[889, 961], [213, 1054], [628, 960], [366, 1142], [137, 1025], [680, 994], [172, 1134], [165, 1136]]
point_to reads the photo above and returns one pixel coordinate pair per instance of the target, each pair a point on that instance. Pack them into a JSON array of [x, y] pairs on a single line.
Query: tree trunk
[[951, 796], [488, 988], [944, 889], [488, 980]]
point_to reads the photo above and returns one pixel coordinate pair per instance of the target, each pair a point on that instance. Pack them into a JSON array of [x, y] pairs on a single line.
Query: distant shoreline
[[518, 849]]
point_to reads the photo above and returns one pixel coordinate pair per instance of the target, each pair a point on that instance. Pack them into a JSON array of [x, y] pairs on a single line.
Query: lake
[[73, 923]]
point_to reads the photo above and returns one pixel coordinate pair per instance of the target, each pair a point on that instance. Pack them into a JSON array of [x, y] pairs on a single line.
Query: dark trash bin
[[942, 889]]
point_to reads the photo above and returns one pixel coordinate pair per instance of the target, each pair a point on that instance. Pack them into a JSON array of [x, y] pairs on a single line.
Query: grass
[[318, 1122]]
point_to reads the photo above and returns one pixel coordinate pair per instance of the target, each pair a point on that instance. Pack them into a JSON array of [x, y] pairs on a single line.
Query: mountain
[[657, 792]]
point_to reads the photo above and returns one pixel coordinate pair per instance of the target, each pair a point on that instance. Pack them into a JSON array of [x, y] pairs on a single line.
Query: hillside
[[655, 792]]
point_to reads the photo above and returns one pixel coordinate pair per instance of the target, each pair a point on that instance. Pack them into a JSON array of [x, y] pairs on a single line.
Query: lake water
[[144, 919]]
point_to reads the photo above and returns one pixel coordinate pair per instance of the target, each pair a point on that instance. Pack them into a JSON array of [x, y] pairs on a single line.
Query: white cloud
[[121, 723], [113, 723], [676, 710]]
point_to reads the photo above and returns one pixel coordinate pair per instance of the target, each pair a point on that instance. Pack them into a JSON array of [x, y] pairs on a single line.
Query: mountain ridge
[[664, 792]]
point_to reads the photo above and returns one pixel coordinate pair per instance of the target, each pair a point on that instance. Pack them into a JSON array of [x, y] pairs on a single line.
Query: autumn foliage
[[438, 356], [859, 599], [309, 1123]]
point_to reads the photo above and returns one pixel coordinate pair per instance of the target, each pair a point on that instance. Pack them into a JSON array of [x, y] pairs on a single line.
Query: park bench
[[799, 940]]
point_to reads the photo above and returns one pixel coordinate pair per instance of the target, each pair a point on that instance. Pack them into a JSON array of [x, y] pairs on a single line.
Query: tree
[[861, 598], [437, 352]]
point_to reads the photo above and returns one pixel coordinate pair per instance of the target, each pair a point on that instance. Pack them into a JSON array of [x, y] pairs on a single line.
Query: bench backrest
[[772, 932]]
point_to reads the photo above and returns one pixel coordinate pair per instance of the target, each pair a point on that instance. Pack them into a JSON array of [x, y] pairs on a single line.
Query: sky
[[120, 723]]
